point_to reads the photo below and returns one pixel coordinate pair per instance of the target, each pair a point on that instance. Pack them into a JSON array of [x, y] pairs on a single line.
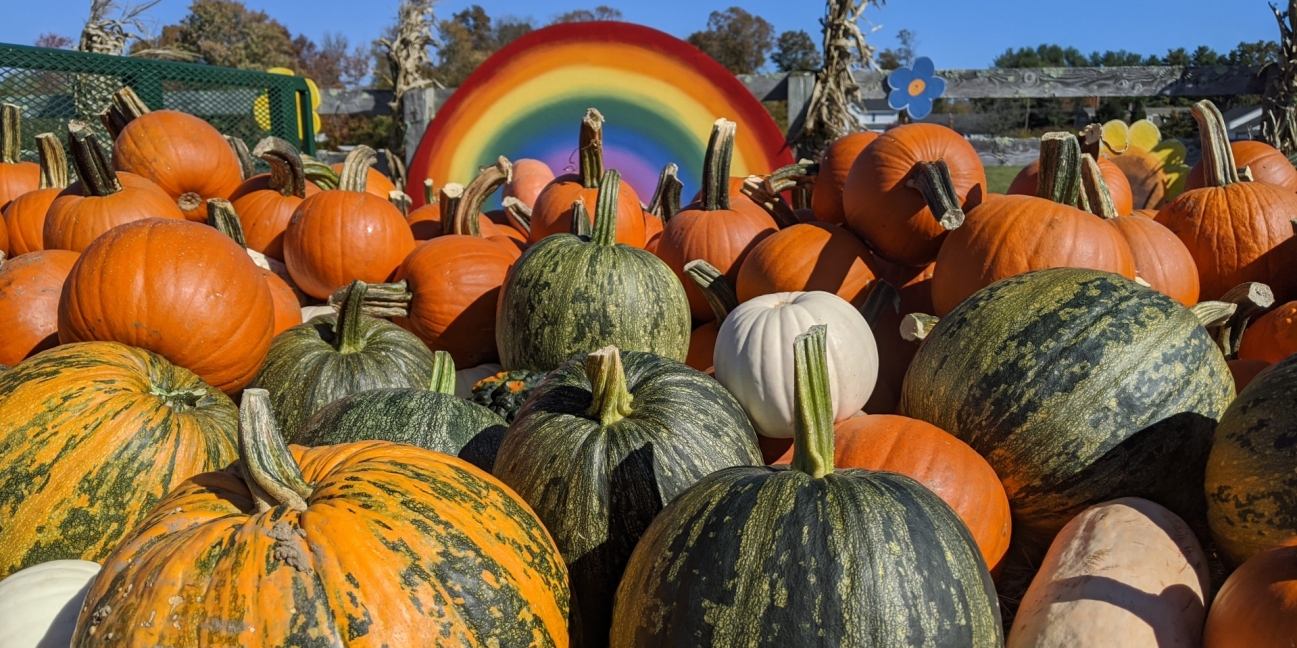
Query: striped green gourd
[[329, 357], [807, 556], [1078, 386], [602, 445], [432, 418], [571, 294]]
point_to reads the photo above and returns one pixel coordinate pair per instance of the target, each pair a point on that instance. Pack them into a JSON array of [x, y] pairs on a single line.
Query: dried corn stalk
[[828, 114]]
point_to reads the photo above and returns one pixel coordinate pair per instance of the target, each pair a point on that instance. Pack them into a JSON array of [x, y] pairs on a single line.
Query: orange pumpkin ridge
[[1266, 162], [826, 200], [702, 340], [265, 203], [24, 218], [29, 302], [1271, 337], [16, 177], [425, 221], [529, 178], [808, 256], [1257, 605]]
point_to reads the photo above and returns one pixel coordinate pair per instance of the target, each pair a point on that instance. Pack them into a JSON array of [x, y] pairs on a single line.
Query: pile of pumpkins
[[858, 401]]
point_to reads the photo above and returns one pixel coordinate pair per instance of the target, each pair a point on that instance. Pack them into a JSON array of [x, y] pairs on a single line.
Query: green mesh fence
[[55, 86]]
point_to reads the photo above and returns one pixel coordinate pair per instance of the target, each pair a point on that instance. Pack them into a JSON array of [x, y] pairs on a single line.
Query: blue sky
[[954, 33]]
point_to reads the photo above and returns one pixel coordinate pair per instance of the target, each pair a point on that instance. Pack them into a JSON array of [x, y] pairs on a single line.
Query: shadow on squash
[[1152, 609], [482, 448]]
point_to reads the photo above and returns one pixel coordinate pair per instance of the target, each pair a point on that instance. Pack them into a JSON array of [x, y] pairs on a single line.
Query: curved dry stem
[[268, 467], [287, 171], [932, 180], [355, 168], [486, 183], [54, 162], [720, 295]]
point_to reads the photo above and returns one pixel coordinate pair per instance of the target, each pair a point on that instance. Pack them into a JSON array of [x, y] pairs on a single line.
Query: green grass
[[998, 178]]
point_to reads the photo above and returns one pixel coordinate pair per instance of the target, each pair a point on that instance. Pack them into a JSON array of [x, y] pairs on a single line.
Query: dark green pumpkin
[[330, 357], [1252, 470], [807, 556], [572, 294], [506, 392], [1079, 387], [433, 418], [601, 447]]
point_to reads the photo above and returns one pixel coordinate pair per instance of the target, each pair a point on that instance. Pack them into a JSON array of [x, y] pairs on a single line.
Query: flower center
[[916, 87]]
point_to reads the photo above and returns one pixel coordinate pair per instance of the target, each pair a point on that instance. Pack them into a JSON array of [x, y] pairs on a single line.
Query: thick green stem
[[611, 400], [287, 173], [487, 181], [443, 374], [916, 327], [1217, 156], [1212, 314], [882, 298], [346, 333], [759, 191], [812, 404], [605, 212], [666, 198], [94, 171], [716, 166], [715, 288], [1060, 169], [382, 300], [1097, 197], [180, 400], [581, 219], [319, 173], [591, 144], [518, 212], [355, 169], [269, 469], [54, 162], [247, 168], [220, 214], [932, 180], [11, 134]]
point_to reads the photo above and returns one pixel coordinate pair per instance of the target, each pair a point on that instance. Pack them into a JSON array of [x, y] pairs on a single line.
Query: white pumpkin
[[466, 378], [754, 356], [39, 605], [1121, 574]]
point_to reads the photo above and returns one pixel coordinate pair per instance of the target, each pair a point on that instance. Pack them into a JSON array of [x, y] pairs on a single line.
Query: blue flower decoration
[[914, 88]]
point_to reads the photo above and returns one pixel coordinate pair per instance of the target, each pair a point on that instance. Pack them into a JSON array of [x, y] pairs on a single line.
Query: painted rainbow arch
[[658, 95]]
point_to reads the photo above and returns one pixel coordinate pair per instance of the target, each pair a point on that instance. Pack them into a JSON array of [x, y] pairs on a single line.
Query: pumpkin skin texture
[[596, 479], [893, 219], [288, 311], [364, 558], [1160, 258], [1120, 402], [17, 179], [1125, 573], [265, 213], [553, 211], [38, 605], [1027, 182], [1257, 605], [24, 220], [1252, 471], [195, 298], [943, 464], [183, 155], [1271, 337], [723, 238], [826, 199], [807, 257], [75, 220], [336, 237], [1268, 165], [30, 286], [92, 436], [529, 178]]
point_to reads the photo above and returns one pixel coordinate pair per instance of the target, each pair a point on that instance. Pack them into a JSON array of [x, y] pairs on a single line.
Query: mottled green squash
[[807, 556], [330, 357], [506, 392], [1252, 471], [431, 418], [602, 446], [1079, 387], [571, 294]]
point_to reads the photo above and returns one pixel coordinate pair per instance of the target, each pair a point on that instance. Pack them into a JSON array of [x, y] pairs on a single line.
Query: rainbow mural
[[658, 94]]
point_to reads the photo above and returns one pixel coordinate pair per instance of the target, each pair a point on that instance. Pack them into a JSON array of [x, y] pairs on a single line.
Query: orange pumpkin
[[182, 154], [702, 340], [180, 289], [345, 234], [1271, 337], [425, 221], [884, 208], [826, 200], [265, 203], [16, 177], [1257, 605], [713, 230], [288, 310], [1026, 181], [939, 461], [1266, 162], [1244, 370], [24, 218], [552, 213], [29, 302], [1236, 231], [375, 182], [474, 196], [807, 256], [101, 198], [529, 178]]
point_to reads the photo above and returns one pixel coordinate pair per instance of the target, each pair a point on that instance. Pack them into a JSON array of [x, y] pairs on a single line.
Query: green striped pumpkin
[[92, 436], [1078, 386], [429, 418], [330, 357], [1252, 470], [807, 556], [602, 446], [571, 294]]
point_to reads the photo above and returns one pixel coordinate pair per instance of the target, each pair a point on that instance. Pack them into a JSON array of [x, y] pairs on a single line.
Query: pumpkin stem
[[881, 297], [287, 173], [1253, 299], [715, 288], [798, 178], [355, 168], [933, 182], [247, 168], [126, 107], [468, 212], [666, 198], [383, 300], [605, 212], [401, 200], [182, 400], [812, 404], [319, 173], [518, 212], [448, 204], [11, 134], [1060, 168], [1217, 156], [759, 191], [716, 166], [93, 168], [1091, 140], [1098, 198], [266, 462], [346, 332], [220, 214], [54, 162], [611, 400], [429, 193], [916, 327], [1213, 314], [443, 374], [581, 219], [591, 144]]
